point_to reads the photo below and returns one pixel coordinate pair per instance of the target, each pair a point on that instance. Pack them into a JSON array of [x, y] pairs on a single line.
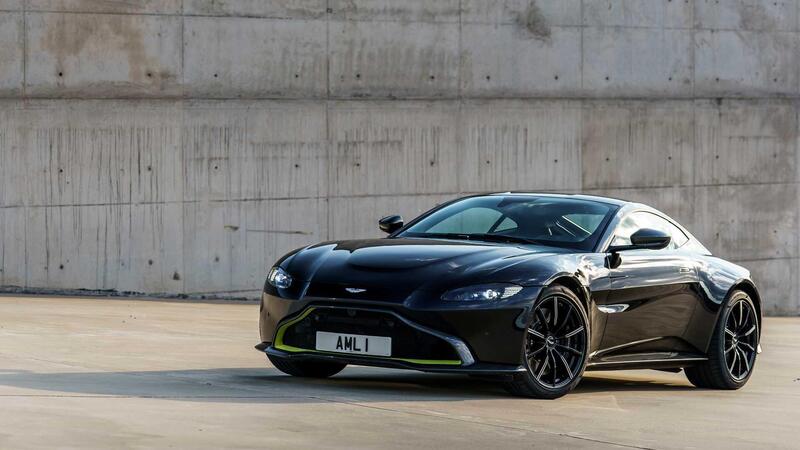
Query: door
[[652, 294]]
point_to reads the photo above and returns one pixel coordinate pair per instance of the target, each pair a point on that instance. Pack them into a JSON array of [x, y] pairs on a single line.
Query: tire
[[722, 371], [306, 369], [570, 331]]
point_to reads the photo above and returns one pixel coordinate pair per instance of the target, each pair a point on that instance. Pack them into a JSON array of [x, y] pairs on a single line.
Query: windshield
[[555, 221]]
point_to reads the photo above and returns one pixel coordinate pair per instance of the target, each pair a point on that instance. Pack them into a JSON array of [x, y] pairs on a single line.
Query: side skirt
[[646, 361]]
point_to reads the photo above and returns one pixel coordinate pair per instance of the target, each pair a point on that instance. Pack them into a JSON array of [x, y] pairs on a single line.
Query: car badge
[[355, 290]]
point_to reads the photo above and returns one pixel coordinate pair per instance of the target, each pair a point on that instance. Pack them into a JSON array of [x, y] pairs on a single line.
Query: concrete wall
[[180, 147]]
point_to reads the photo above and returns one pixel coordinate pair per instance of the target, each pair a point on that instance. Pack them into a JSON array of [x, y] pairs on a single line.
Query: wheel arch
[[574, 285], [749, 288]]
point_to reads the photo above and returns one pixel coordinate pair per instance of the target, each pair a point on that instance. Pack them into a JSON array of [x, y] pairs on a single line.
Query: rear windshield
[[555, 221]]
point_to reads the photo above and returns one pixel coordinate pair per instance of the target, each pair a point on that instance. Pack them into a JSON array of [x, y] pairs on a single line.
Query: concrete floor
[[126, 373]]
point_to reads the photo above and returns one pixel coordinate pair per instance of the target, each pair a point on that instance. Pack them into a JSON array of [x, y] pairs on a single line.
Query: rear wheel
[[733, 349], [555, 346], [307, 369]]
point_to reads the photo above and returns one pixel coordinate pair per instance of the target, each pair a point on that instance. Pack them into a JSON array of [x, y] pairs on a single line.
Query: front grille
[[408, 342], [339, 291]]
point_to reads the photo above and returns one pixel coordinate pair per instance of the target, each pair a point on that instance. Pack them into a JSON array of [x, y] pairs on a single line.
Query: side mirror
[[390, 224], [648, 238], [642, 239]]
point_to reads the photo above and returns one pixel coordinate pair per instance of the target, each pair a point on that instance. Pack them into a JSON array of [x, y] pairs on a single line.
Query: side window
[[642, 219], [472, 220], [622, 235]]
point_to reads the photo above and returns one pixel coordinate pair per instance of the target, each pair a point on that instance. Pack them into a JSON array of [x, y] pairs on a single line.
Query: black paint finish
[[646, 309]]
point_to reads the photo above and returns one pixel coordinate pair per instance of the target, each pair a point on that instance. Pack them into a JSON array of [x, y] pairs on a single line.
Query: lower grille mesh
[[407, 341]]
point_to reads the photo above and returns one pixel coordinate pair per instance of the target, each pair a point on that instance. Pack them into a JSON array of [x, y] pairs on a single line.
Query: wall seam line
[[328, 137], [24, 48]]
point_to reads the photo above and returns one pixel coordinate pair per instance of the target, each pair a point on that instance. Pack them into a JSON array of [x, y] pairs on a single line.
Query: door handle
[[685, 270]]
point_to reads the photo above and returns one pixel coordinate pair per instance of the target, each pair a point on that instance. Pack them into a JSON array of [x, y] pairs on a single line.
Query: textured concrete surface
[[200, 197], [377, 48], [180, 147], [88, 373]]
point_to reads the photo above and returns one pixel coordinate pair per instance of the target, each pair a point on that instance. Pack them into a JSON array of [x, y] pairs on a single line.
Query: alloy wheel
[[741, 340], [555, 342]]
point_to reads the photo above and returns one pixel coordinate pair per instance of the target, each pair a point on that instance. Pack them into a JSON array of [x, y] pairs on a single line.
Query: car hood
[[392, 268]]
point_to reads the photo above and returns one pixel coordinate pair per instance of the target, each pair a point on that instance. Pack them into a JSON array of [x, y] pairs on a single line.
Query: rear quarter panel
[[718, 278]]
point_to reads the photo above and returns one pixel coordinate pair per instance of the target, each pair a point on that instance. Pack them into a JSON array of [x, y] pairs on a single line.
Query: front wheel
[[733, 349], [306, 369], [555, 347]]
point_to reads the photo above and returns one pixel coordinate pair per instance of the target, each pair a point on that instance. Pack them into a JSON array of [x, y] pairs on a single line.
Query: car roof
[[624, 207], [594, 198]]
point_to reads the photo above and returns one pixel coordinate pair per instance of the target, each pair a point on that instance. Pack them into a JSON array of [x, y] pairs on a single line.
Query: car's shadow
[[270, 386]]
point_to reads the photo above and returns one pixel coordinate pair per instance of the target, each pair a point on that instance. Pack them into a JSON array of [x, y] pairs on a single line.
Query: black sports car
[[527, 289]]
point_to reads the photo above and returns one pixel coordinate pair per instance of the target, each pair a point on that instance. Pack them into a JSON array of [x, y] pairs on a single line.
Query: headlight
[[484, 292], [279, 278]]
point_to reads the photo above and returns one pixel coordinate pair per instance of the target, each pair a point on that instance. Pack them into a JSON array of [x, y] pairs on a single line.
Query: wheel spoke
[[555, 312], [729, 332], [563, 322], [566, 365], [569, 349], [554, 373], [572, 333], [745, 344], [735, 360], [535, 333], [542, 320], [531, 354], [541, 368], [728, 350], [746, 317], [741, 313], [750, 331], [741, 363], [746, 362]]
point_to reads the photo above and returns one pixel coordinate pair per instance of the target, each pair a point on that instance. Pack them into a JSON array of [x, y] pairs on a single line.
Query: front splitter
[[476, 368]]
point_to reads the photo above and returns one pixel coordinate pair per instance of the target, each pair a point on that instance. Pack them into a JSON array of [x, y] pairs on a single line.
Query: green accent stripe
[[431, 362], [282, 330], [288, 348]]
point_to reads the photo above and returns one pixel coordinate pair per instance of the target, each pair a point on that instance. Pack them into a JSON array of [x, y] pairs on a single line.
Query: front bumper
[[477, 368], [412, 343], [449, 338]]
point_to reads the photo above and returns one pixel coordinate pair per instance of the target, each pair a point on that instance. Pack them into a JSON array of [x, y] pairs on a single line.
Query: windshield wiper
[[502, 238], [464, 237], [486, 237]]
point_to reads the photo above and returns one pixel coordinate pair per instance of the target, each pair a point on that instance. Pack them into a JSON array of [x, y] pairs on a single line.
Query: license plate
[[354, 343]]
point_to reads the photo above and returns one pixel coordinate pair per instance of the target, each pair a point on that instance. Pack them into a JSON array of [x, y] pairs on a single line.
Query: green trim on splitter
[[291, 349]]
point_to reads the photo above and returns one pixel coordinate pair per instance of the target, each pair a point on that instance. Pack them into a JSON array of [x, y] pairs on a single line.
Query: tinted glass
[[556, 221], [642, 219]]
